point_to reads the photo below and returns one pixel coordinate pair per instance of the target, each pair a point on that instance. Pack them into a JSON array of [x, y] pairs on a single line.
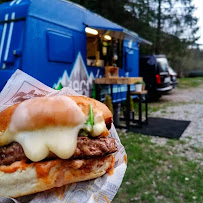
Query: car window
[[162, 64], [171, 71]]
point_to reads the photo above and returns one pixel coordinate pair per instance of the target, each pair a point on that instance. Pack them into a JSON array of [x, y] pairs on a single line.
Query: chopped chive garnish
[[90, 120]]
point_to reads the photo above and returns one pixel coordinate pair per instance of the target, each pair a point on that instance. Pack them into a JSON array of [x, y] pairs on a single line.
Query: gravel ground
[[185, 104]]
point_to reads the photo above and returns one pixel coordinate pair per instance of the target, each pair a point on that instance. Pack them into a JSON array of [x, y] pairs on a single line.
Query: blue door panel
[[60, 47], [35, 59]]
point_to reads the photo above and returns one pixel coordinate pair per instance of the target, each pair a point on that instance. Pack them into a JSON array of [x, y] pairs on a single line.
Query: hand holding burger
[[48, 142]]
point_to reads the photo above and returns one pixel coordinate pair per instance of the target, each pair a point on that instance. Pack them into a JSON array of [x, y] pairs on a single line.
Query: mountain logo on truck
[[79, 79]]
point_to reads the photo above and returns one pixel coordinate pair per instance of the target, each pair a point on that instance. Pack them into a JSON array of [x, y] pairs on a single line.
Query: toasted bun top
[[40, 112], [84, 103]]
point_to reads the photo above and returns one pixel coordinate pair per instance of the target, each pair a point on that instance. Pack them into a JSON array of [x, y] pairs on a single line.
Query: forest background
[[169, 24]]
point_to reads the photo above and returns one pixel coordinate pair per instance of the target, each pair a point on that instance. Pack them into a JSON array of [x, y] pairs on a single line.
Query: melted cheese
[[60, 139], [99, 125], [37, 144]]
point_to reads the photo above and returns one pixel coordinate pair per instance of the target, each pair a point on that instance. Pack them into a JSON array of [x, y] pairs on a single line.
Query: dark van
[[154, 70]]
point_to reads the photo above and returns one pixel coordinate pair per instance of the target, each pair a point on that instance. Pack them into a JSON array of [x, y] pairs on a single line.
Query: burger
[[47, 142]]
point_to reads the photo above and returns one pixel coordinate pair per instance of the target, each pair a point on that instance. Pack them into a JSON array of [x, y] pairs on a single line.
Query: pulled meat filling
[[86, 148]]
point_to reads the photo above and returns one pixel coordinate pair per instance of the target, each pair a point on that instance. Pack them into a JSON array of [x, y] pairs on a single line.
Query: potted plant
[[138, 86]]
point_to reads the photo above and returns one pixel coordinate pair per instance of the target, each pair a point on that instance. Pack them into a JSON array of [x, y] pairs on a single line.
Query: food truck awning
[[105, 26]]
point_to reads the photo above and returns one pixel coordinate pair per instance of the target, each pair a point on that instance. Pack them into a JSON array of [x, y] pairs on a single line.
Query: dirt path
[[184, 104], [184, 95]]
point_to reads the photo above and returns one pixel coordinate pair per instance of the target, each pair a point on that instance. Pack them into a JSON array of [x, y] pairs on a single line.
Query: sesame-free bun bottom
[[36, 177]]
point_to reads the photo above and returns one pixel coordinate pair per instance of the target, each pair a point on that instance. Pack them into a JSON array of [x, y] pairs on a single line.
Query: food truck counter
[[127, 81]]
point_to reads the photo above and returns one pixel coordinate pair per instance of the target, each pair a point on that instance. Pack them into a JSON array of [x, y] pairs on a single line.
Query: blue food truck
[[63, 44]]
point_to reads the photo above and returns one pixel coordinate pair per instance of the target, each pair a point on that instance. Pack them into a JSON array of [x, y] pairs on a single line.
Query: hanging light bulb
[[107, 37], [91, 31]]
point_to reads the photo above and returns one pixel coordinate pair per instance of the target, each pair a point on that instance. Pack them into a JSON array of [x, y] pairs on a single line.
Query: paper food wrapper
[[100, 190]]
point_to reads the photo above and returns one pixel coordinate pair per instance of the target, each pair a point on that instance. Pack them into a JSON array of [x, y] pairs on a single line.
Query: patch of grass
[[196, 149], [189, 137], [163, 111], [171, 142], [157, 106], [154, 108], [190, 82], [182, 142], [155, 175], [174, 142]]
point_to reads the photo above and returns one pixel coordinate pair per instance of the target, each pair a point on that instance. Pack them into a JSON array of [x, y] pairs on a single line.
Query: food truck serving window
[[103, 51]]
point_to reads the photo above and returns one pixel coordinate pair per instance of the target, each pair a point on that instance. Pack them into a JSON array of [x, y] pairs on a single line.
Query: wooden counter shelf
[[137, 93], [124, 81], [117, 81]]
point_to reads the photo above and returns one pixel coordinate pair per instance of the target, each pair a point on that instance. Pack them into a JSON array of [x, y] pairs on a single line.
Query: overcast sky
[[199, 14]]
